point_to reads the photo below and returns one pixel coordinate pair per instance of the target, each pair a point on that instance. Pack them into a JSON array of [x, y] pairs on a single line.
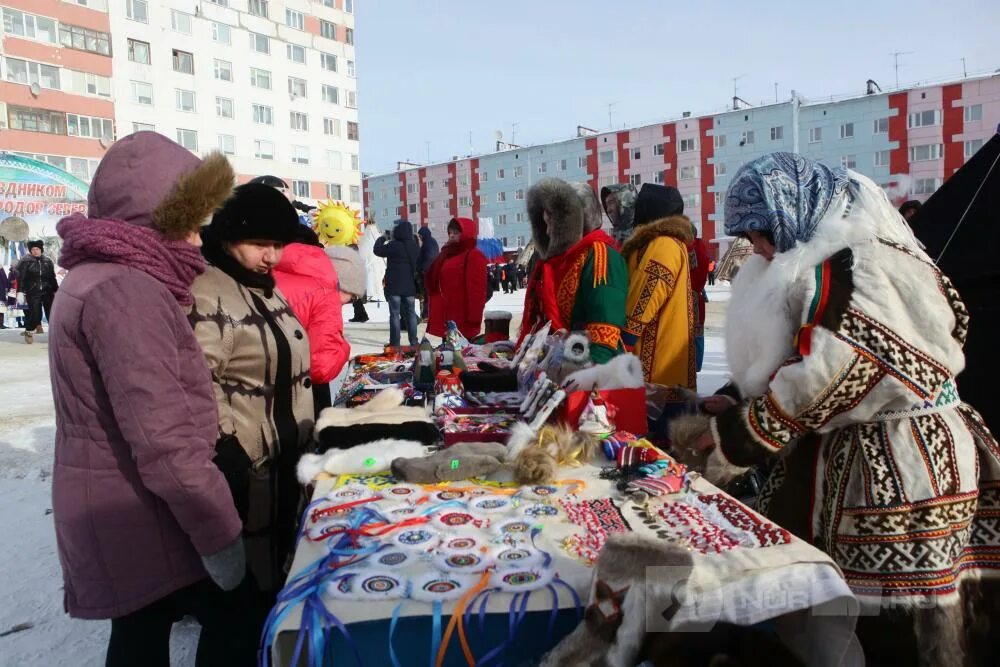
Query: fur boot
[[685, 430]]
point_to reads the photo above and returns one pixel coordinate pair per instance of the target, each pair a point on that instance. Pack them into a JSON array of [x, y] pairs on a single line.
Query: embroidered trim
[[604, 334]]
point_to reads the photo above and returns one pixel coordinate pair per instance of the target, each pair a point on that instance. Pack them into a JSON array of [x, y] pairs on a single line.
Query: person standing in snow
[[36, 279], [619, 204], [429, 250], [401, 255], [456, 282], [258, 355], [145, 524]]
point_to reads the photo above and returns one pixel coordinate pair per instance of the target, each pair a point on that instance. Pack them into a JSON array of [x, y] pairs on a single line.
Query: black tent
[[960, 226]]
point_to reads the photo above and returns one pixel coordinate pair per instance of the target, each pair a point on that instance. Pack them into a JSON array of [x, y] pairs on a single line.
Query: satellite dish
[[35, 89], [14, 229]]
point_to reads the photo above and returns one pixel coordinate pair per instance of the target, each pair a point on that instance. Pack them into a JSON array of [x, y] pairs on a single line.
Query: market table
[[750, 573]]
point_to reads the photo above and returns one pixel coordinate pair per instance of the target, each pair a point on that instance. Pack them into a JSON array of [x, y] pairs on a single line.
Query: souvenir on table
[[425, 364], [454, 337], [497, 325], [460, 461], [597, 417], [450, 358]]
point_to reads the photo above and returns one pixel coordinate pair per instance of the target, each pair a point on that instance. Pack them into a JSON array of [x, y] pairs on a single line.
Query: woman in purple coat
[[145, 523]]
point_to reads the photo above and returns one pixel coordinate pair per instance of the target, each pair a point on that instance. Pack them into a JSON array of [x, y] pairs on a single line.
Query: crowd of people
[[178, 431]]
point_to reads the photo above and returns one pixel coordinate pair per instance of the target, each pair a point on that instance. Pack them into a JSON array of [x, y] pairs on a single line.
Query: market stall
[[480, 504]]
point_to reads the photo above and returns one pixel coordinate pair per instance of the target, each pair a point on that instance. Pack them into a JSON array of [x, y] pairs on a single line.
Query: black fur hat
[[36, 244], [256, 211]]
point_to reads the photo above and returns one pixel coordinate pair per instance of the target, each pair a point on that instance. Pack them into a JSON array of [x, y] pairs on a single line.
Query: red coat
[[308, 281], [456, 285], [699, 261]]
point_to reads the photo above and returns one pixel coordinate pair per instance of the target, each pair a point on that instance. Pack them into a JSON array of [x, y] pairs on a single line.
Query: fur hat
[[592, 216], [36, 244], [256, 211], [656, 202], [565, 208], [350, 269]]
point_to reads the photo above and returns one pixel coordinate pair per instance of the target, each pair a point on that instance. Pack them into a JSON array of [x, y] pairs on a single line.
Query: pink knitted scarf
[[174, 263]]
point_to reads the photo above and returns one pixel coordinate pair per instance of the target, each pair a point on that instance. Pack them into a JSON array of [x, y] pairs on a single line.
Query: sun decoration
[[337, 224]]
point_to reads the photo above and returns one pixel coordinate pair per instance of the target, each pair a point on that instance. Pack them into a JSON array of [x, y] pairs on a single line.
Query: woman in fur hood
[[844, 340], [580, 279], [660, 316]]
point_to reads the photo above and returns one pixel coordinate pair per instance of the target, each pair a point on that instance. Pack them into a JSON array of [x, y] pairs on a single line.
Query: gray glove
[[228, 566]]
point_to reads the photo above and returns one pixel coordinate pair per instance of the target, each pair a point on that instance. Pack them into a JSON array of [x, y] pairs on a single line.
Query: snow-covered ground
[[30, 578]]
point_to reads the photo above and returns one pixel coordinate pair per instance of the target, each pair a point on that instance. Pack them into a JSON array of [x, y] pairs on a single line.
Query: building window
[[334, 191], [881, 158], [138, 52], [296, 53], [184, 100], [687, 173], [83, 39], [334, 160], [258, 7], [972, 147], [815, 134], [349, 6], [90, 84], [294, 19], [660, 177], [23, 71], [300, 188], [188, 139], [464, 201], [223, 107], [328, 61], [260, 43], [349, 34], [924, 118], [925, 152], [260, 78], [299, 121], [355, 162], [606, 157], [849, 161], [36, 120], [431, 206], [692, 200], [297, 87], [411, 188], [221, 33], [880, 126], [29, 25], [263, 114], [973, 113], [137, 10], [606, 180], [223, 70], [501, 196], [331, 127], [227, 144], [719, 199], [519, 217], [143, 127], [180, 21], [263, 149], [331, 94], [183, 62], [482, 200], [350, 68], [561, 165], [636, 153], [500, 174], [327, 29], [746, 138], [542, 167], [720, 168], [352, 99], [413, 209], [777, 133], [847, 130], [925, 186], [719, 140], [221, 3], [688, 145], [502, 219], [352, 131], [519, 194], [659, 149], [142, 93], [635, 180]]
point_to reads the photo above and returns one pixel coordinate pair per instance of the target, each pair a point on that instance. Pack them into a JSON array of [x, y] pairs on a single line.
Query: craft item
[[538, 457], [447, 382], [435, 586], [598, 518], [421, 538], [598, 417], [690, 525], [460, 461], [424, 365], [458, 520], [635, 456], [546, 411], [371, 457], [515, 529], [509, 400], [621, 372], [497, 325], [491, 504], [757, 532], [454, 337]]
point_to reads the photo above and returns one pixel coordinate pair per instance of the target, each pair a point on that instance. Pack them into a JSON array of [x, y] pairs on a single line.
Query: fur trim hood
[[565, 207], [593, 217], [676, 226]]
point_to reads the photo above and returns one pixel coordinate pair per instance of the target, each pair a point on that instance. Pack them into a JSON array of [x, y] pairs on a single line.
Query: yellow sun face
[[336, 224]]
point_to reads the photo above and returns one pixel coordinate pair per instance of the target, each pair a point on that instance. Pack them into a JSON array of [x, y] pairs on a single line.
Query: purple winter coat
[[136, 497]]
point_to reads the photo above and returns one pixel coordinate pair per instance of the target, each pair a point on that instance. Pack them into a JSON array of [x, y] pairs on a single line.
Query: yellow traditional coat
[[660, 307]]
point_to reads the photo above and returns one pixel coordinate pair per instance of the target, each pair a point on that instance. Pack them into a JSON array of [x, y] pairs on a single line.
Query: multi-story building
[[55, 90], [270, 84], [908, 141]]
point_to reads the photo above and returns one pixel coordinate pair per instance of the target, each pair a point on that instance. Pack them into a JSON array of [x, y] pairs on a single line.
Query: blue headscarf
[[783, 194]]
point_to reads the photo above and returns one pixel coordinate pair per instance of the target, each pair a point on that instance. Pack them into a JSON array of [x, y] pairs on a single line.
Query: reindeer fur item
[[622, 372], [371, 457], [685, 430], [384, 407], [536, 456]]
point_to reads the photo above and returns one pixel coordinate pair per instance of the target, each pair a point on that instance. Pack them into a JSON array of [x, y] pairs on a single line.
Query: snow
[[30, 577]]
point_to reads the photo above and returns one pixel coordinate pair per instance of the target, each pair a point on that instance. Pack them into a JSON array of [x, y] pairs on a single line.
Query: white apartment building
[[270, 83]]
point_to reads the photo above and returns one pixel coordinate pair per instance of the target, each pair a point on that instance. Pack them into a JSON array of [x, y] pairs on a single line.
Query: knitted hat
[[350, 269], [256, 211]]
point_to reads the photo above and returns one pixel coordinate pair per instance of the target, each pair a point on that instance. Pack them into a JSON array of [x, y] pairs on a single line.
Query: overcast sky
[[436, 70]]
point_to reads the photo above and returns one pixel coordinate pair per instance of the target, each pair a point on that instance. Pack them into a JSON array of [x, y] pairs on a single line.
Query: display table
[[748, 572]]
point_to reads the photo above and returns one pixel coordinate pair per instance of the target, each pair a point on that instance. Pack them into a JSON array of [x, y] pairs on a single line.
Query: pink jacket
[[308, 281]]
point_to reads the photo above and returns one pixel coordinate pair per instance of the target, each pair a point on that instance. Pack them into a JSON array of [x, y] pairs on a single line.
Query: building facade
[[908, 141], [271, 84]]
